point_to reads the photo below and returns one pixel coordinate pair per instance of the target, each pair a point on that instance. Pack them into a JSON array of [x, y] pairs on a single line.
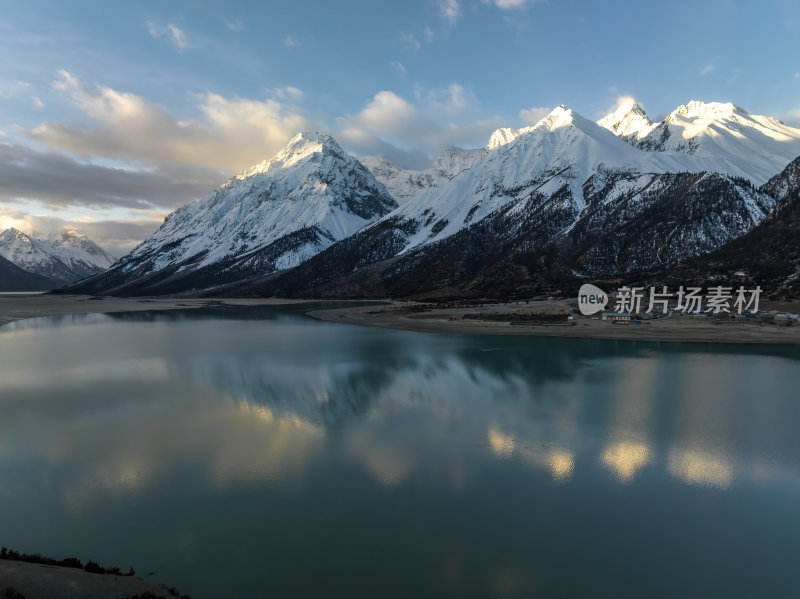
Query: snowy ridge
[[550, 162], [405, 183], [506, 135], [629, 121], [64, 257], [311, 191], [747, 145]]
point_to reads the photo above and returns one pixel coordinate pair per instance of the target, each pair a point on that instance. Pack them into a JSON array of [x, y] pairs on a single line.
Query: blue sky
[[112, 114]]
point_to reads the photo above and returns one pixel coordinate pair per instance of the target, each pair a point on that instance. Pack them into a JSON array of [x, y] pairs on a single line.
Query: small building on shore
[[616, 317]]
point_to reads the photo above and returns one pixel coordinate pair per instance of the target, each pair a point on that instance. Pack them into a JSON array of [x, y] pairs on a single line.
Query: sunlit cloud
[[174, 34], [37, 103], [531, 116], [414, 132], [398, 66], [290, 41], [233, 133]]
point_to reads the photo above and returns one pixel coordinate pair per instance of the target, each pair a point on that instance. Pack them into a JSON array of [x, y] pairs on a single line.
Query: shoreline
[[424, 318], [14, 307], [451, 320]]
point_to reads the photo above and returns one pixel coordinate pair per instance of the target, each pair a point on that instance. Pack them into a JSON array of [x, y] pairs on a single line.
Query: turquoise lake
[[257, 452]]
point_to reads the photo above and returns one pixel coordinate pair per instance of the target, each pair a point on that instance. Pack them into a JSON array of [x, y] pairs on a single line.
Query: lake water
[[247, 452]]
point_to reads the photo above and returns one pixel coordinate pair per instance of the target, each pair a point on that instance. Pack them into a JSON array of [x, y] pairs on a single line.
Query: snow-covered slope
[[64, 257], [629, 121], [747, 145], [550, 162], [76, 250], [405, 183], [271, 216], [506, 135]]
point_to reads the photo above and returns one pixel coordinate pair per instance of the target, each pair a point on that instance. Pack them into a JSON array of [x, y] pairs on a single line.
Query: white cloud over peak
[[531, 116], [411, 134], [171, 32]]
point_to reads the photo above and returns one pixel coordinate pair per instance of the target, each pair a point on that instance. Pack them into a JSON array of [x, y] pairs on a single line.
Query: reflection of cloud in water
[[558, 460], [389, 468], [502, 444], [237, 440], [695, 467], [625, 459]]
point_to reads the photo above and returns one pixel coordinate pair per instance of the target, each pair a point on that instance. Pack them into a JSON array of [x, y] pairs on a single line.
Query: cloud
[[531, 116], [235, 25], [508, 4], [707, 69], [427, 33], [290, 42], [232, 134], [411, 41], [287, 92], [411, 134], [398, 66], [37, 103], [57, 181], [797, 75], [14, 90], [449, 9], [171, 32]]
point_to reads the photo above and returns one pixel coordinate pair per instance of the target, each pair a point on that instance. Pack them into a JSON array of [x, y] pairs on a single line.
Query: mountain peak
[[629, 120], [302, 145], [697, 108]]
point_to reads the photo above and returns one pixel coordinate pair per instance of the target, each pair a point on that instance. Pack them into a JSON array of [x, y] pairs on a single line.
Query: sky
[[114, 114]]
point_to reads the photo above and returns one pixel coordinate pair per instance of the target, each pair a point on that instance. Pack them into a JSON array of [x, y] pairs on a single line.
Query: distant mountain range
[[564, 200], [51, 261]]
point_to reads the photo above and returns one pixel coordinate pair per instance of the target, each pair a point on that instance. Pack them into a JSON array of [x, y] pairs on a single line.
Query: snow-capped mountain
[[269, 217], [405, 183], [769, 254], [567, 197], [629, 121], [63, 258], [550, 162], [505, 135], [747, 145]]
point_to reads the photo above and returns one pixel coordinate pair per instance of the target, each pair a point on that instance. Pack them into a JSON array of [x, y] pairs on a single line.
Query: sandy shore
[[423, 318], [37, 581], [472, 320], [18, 306]]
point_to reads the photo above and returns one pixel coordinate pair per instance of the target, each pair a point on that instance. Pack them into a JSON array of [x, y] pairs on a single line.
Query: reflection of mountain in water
[[549, 402]]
